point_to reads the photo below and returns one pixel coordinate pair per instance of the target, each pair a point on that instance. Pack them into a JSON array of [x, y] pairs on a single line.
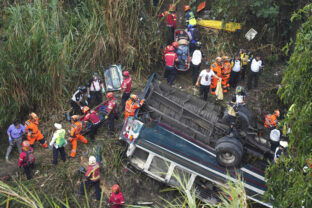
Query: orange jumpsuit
[[75, 135], [270, 121], [217, 70], [131, 107], [33, 133], [225, 72]]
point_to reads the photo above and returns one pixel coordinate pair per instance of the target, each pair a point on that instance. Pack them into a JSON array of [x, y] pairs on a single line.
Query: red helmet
[[175, 44], [115, 188], [170, 48], [25, 145], [85, 109], [110, 95], [126, 73], [186, 8]]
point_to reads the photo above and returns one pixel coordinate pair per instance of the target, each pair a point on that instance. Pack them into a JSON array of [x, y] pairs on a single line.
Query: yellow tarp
[[215, 24], [219, 91]]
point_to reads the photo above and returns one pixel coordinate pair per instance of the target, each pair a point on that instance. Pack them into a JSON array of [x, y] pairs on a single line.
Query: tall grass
[[49, 48]]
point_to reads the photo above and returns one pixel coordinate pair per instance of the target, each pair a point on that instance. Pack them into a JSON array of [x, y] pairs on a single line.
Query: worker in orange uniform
[[270, 120], [33, 133], [92, 117], [225, 73], [216, 67], [131, 106], [75, 134], [171, 21], [111, 112]]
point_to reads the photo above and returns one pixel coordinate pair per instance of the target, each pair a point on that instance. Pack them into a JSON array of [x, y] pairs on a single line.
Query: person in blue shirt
[[15, 133]]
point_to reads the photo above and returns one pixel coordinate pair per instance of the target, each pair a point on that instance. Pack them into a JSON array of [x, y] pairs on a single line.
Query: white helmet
[[275, 135], [283, 144], [92, 160], [58, 126]]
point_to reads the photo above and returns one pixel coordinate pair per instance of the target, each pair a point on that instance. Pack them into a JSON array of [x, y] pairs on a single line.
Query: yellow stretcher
[[216, 24]]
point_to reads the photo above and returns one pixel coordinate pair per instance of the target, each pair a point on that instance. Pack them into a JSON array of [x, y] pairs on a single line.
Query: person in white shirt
[[255, 67], [204, 81], [236, 65], [95, 89], [196, 62]]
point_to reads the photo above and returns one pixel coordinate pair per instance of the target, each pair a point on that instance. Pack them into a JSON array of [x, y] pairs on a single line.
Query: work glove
[[86, 102], [10, 140], [89, 96], [103, 90], [106, 117], [81, 107]]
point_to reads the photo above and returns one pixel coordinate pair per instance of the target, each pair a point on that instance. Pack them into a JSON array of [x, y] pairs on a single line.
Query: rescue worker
[[15, 133], [244, 58], [280, 151], [33, 133], [171, 21], [195, 37], [116, 200], [92, 178], [253, 74], [216, 67], [95, 88], [76, 101], [196, 62], [241, 96], [270, 120], [111, 111], [125, 88], [231, 110], [236, 65], [26, 159], [204, 81], [75, 135], [190, 19], [92, 117], [170, 59], [131, 106], [58, 143], [225, 73]]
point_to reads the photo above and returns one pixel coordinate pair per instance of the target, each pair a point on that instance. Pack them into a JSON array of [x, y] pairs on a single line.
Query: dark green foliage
[[293, 188], [50, 47]]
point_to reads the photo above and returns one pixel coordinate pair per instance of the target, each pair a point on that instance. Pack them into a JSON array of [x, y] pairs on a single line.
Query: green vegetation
[[287, 184], [49, 48]]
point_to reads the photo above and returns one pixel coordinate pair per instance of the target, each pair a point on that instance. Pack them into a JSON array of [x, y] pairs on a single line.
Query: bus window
[[179, 176], [159, 167], [139, 158]]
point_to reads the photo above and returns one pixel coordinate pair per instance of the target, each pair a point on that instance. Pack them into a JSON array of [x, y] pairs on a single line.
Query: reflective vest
[[60, 139], [93, 172], [126, 84], [171, 58], [171, 18], [132, 106], [270, 121], [226, 69], [244, 58], [216, 68], [75, 129]]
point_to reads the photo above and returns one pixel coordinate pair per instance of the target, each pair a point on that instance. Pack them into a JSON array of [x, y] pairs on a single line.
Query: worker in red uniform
[[216, 67], [171, 21], [91, 116], [166, 50], [33, 133], [170, 59], [92, 178], [26, 159], [125, 88], [131, 106], [116, 200], [111, 111], [270, 120], [225, 73], [75, 134]]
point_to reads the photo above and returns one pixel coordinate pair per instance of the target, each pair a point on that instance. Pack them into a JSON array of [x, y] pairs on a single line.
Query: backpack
[[30, 158]]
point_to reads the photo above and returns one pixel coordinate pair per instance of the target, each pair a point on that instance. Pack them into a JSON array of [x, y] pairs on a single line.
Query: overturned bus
[[177, 134]]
